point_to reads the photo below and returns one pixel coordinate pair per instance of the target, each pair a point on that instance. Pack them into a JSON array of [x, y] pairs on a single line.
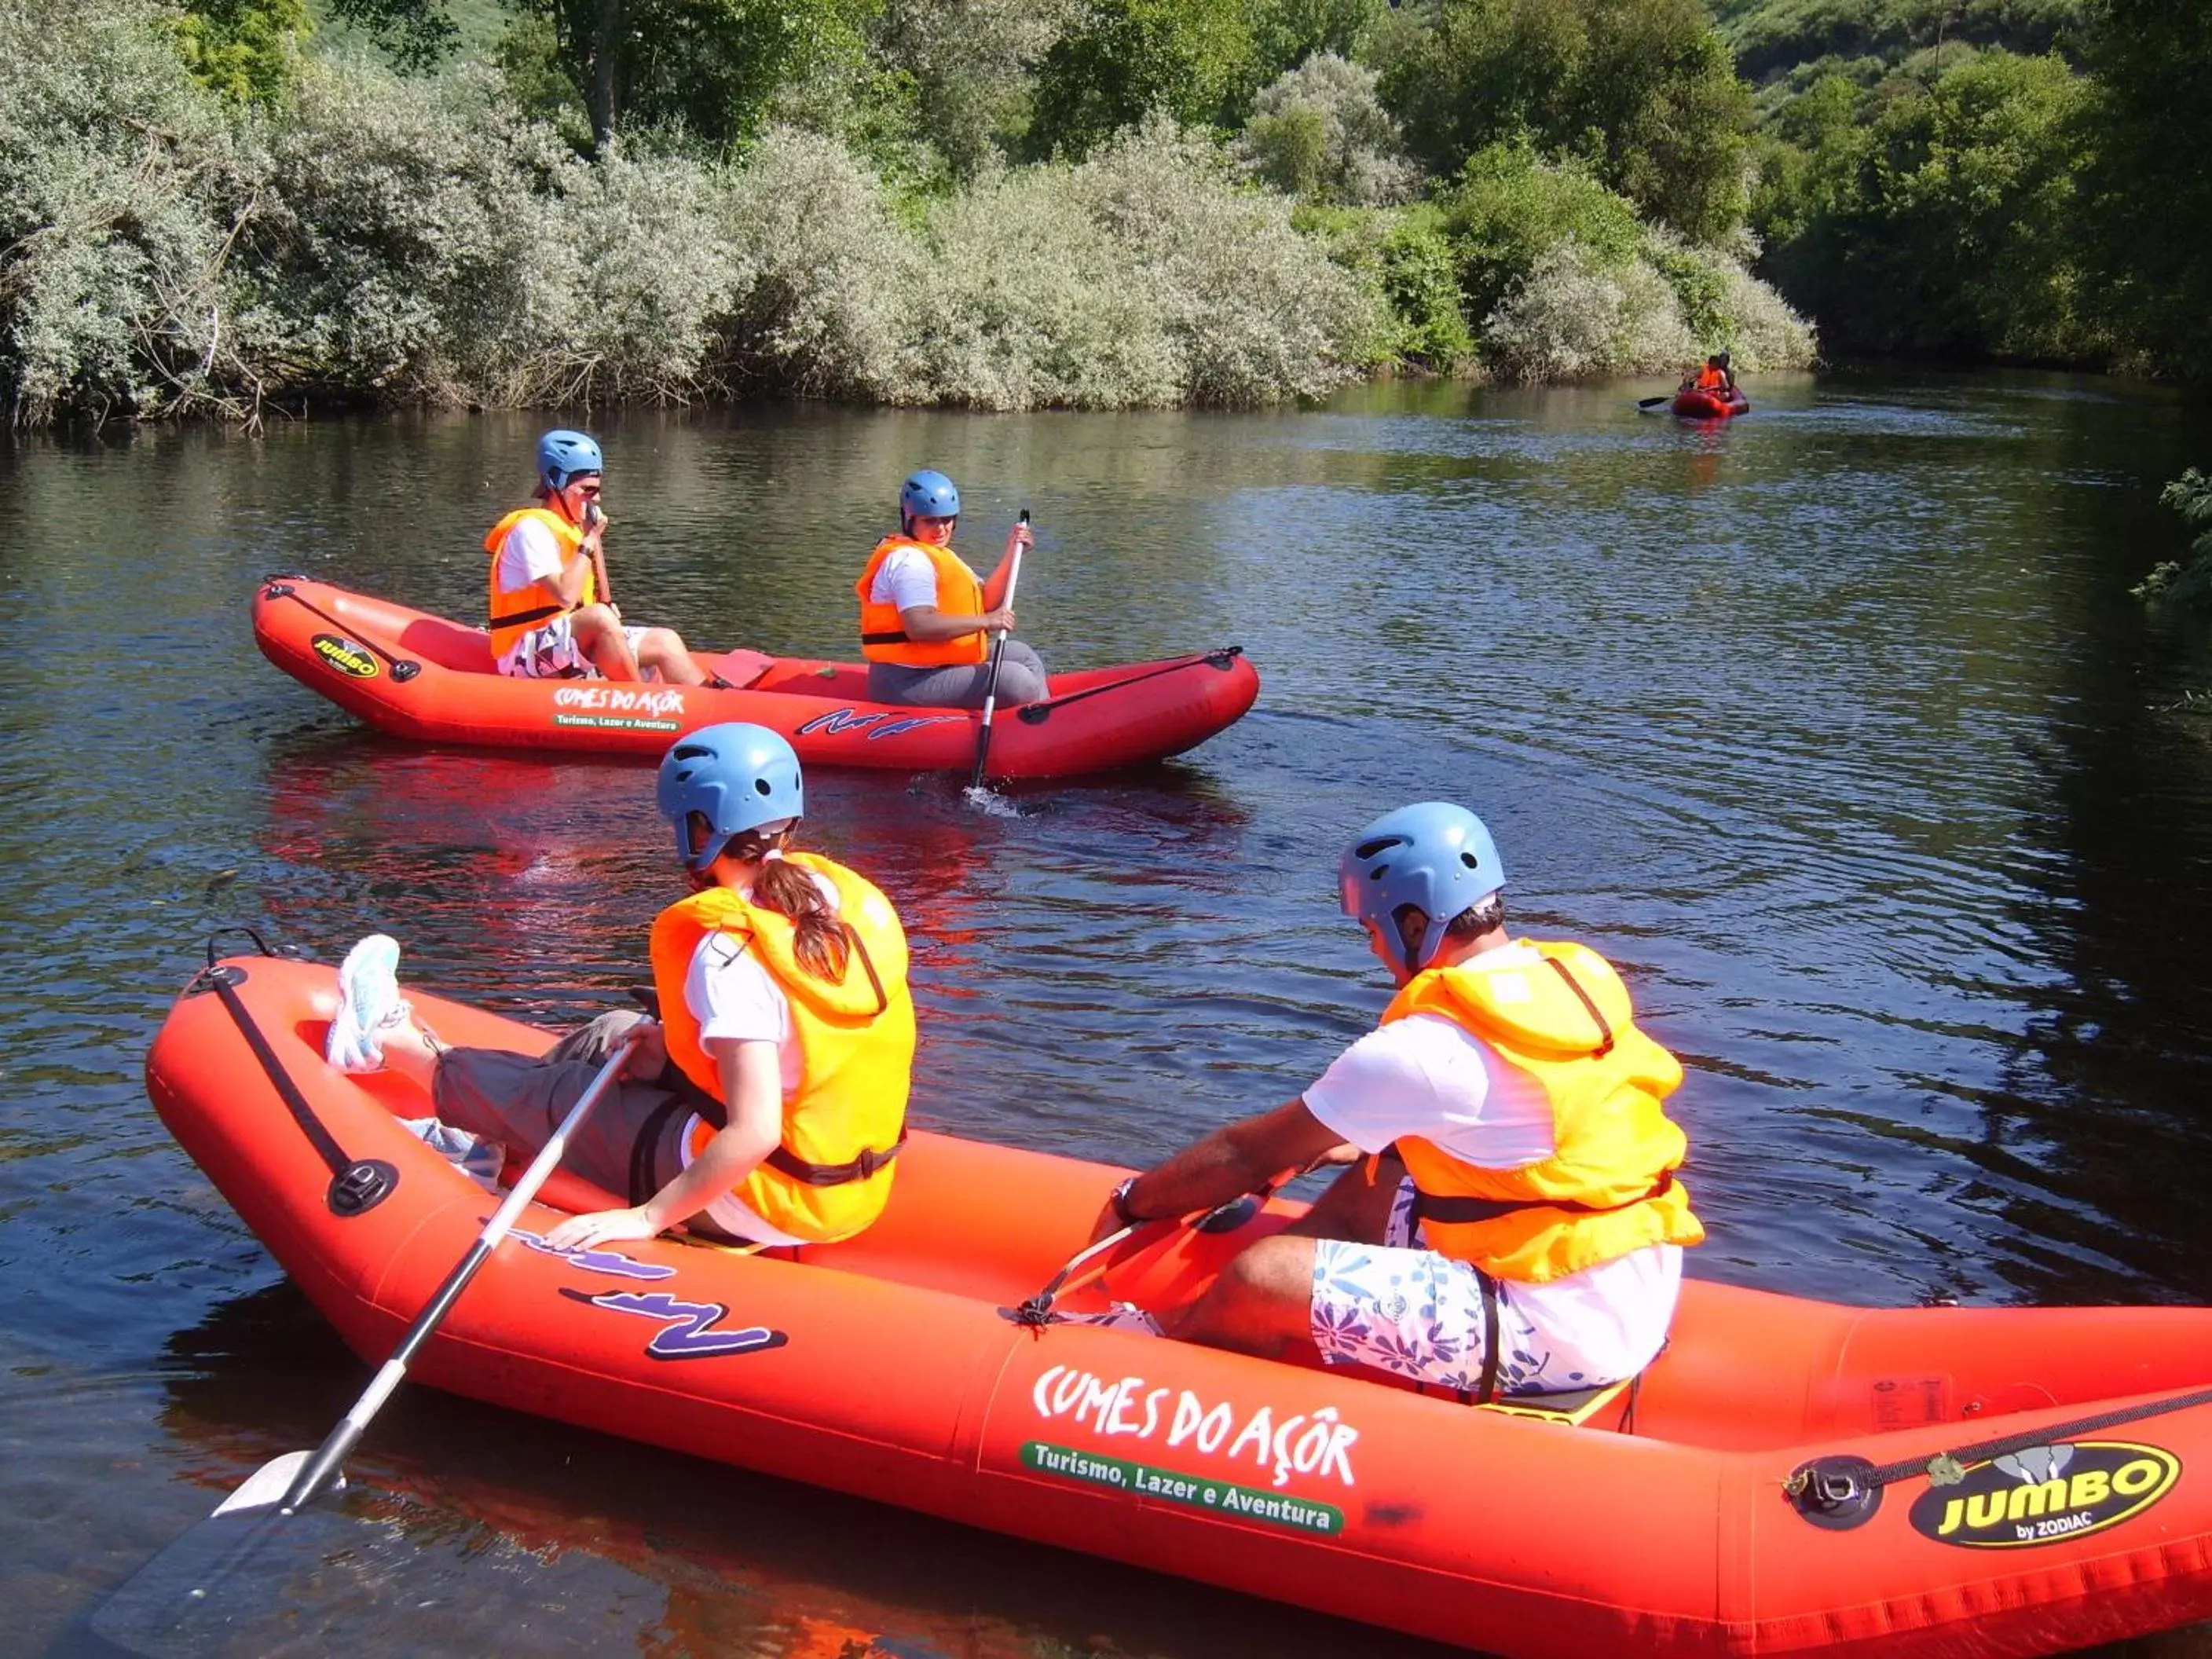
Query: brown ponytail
[[822, 945]]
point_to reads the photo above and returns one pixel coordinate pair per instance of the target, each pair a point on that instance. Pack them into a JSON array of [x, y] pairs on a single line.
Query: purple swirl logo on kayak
[[838, 721]]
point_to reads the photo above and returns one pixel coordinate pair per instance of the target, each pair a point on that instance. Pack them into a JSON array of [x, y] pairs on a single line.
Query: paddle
[[1648, 403], [1224, 1217], [175, 1582], [593, 516], [998, 657]]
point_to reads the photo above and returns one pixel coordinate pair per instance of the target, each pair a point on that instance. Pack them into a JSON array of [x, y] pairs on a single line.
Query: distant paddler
[[927, 619], [552, 615]]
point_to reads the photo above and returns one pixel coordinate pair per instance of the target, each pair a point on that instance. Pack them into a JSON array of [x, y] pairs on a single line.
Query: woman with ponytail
[[786, 1030]]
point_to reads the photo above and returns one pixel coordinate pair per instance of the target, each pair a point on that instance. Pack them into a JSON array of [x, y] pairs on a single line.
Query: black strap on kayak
[[1839, 1493], [357, 1185], [1455, 1211], [1036, 714], [280, 588]]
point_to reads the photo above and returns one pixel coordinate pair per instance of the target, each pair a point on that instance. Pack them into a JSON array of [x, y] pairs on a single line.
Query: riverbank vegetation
[[996, 204], [2018, 180]]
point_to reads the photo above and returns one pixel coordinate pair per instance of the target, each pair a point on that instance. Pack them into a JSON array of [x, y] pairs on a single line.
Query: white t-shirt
[[905, 579], [530, 554], [1426, 1076], [734, 998]]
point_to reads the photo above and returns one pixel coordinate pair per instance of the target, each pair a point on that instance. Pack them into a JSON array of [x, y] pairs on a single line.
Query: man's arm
[[1235, 1159]]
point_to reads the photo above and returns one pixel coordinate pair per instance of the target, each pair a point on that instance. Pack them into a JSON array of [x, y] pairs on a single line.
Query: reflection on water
[[1834, 726]]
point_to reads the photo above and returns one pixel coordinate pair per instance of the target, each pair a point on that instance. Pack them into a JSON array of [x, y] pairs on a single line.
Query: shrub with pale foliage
[[1320, 132]]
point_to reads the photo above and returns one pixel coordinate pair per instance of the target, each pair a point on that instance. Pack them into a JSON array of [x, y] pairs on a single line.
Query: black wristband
[[1120, 1203]]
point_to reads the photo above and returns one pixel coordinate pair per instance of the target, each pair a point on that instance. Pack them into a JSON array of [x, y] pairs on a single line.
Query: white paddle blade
[[265, 1488]]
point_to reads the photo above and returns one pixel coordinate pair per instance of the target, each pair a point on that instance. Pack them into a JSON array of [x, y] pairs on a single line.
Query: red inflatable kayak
[[418, 676], [1789, 1477], [1692, 403]]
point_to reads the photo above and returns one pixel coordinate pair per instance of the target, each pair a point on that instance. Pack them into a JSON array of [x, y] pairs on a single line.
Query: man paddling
[[1517, 1227], [927, 619], [550, 618]]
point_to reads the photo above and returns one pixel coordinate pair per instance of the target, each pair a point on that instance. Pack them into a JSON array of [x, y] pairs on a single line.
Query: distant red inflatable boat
[[418, 676], [1792, 1477], [1694, 403]]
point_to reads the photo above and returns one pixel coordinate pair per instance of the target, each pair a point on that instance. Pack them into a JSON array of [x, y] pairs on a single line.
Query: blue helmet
[[928, 494], [1432, 854], [564, 455], [737, 776]]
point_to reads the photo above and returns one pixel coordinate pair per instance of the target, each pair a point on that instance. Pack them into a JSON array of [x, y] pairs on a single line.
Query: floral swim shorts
[[1405, 1309]]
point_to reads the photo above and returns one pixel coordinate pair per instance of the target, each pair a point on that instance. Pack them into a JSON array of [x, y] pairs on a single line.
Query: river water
[[1835, 728]]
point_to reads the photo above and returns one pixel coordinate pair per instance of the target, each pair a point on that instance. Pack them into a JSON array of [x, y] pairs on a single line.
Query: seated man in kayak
[[927, 621], [548, 573], [1525, 1233], [1716, 377], [774, 1102]]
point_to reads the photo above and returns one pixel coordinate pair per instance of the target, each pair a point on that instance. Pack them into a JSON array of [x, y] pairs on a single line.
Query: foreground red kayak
[[418, 676], [1789, 1477], [1695, 404]]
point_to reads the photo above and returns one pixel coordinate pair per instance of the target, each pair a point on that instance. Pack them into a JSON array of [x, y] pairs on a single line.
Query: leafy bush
[[128, 188], [1576, 316], [1508, 208], [1258, 312], [1319, 133], [2186, 581]]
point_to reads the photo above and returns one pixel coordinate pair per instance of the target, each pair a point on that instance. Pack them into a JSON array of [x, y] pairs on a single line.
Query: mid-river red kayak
[[1697, 404], [418, 676]]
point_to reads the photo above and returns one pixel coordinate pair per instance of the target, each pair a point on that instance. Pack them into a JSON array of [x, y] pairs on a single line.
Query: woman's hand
[[650, 1055], [581, 1232], [998, 621], [1019, 537]]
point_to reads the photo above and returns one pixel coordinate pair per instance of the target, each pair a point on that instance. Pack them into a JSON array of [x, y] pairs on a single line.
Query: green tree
[[1643, 91], [1942, 219], [2149, 187], [1121, 60], [244, 48], [711, 67]]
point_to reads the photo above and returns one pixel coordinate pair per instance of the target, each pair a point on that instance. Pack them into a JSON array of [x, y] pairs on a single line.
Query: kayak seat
[[1572, 1406]]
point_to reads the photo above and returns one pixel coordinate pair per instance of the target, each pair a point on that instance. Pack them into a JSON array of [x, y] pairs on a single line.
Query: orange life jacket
[[1711, 379], [831, 1174], [516, 611], [959, 593], [1608, 1187]]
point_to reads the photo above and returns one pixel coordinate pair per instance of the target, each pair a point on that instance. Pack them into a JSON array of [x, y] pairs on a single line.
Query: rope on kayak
[[1840, 1493], [1036, 714], [280, 588], [357, 1185]]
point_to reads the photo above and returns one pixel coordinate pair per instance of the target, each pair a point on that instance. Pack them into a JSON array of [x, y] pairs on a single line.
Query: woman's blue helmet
[[737, 776], [928, 494], [564, 455], [1432, 854]]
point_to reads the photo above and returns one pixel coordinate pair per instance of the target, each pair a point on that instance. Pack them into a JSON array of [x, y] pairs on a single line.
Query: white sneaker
[[369, 1003]]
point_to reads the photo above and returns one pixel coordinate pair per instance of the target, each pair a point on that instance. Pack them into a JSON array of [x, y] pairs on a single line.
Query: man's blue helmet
[[928, 494], [564, 455], [737, 776], [1432, 854]]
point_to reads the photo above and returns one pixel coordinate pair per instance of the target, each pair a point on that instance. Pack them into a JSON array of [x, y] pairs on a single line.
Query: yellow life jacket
[[516, 611], [1608, 1187], [830, 1174], [959, 593]]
